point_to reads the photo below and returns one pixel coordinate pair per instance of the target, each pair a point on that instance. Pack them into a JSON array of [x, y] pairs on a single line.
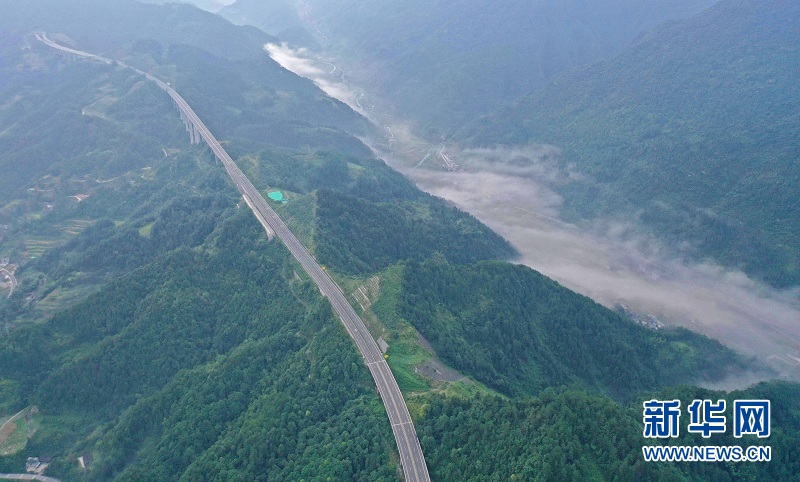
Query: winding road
[[411, 457]]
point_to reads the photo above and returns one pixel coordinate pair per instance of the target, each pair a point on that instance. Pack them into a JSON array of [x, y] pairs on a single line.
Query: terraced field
[[74, 227], [35, 246]]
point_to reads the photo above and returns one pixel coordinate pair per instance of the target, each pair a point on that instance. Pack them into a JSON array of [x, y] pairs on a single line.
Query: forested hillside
[[267, 362], [46, 126], [694, 130], [149, 301], [509, 327], [570, 435], [441, 63], [360, 216], [157, 334], [218, 67]]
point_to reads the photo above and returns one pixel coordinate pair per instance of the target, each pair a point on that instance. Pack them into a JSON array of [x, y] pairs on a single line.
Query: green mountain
[[570, 435], [156, 329], [441, 64], [219, 68], [693, 131], [152, 295], [509, 327]]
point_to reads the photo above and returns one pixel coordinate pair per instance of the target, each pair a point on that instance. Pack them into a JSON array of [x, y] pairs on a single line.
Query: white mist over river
[[605, 263]]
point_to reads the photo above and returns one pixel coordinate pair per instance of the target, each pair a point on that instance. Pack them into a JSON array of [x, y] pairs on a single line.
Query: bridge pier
[[68, 57], [194, 132], [412, 460]]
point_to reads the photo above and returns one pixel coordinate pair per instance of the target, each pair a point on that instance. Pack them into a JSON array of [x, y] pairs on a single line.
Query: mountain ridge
[[691, 127], [441, 64]]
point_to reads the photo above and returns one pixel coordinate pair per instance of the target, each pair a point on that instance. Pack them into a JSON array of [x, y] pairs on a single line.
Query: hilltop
[[158, 330], [441, 64], [692, 131]]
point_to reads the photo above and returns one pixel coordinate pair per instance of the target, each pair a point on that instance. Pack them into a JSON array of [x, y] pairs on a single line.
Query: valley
[[512, 191], [251, 304]]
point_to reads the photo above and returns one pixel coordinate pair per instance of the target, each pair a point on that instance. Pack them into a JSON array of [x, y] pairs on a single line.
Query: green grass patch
[[385, 306], [403, 358], [61, 298], [147, 230], [417, 406], [468, 388], [18, 439]]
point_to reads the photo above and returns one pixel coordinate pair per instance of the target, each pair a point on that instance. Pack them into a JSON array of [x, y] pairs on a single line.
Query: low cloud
[[513, 191], [538, 162], [613, 265], [303, 63], [296, 60]]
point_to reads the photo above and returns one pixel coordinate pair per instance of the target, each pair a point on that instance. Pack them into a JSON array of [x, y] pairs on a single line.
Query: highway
[[411, 457], [40, 478]]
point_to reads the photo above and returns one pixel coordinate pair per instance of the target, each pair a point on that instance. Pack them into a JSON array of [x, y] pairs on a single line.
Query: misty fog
[[510, 191]]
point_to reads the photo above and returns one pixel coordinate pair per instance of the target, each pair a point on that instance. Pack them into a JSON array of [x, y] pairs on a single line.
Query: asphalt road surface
[[411, 457], [40, 478]]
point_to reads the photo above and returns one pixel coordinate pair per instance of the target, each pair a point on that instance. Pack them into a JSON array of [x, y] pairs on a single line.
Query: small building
[[32, 464], [36, 465]]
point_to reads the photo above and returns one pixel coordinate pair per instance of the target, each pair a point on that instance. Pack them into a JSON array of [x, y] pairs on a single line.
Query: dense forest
[[509, 327], [165, 307], [693, 129], [571, 435], [391, 232], [441, 64], [392, 220], [258, 345], [161, 336]]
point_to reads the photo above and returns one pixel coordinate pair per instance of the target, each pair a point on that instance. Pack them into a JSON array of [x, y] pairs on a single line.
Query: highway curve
[[411, 457]]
